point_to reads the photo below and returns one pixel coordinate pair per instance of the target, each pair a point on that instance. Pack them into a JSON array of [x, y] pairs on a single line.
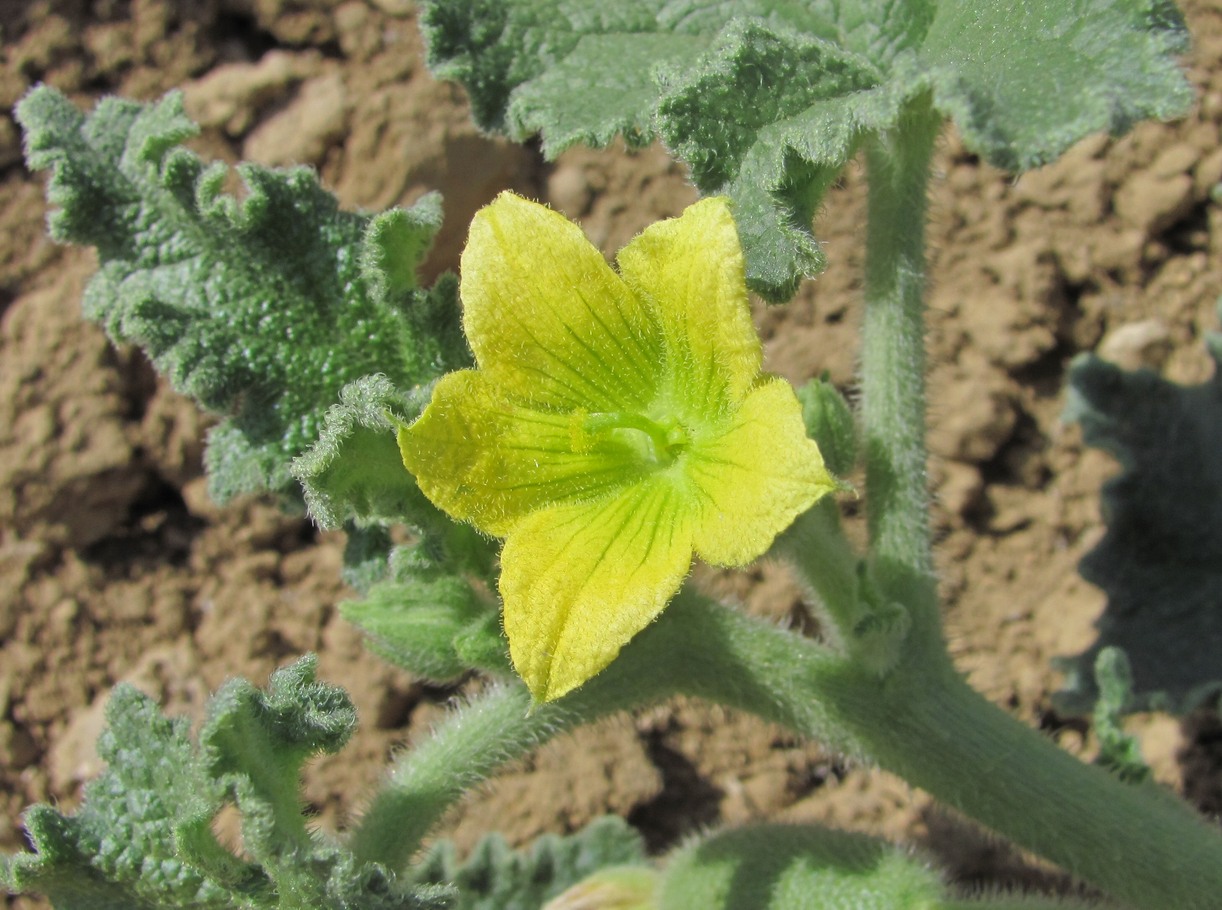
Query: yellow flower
[[616, 424]]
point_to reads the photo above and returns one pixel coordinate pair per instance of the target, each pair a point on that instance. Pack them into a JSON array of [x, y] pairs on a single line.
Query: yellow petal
[[691, 269], [548, 319], [754, 476], [580, 580], [484, 459]]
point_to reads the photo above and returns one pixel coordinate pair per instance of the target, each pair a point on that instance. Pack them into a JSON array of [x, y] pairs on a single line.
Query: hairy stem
[[921, 721], [893, 354], [496, 727]]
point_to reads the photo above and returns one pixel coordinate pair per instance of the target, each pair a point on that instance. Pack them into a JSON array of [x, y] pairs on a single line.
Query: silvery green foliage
[[495, 877], [262, 309], [1159, 560], [354, 471], [767, 100], [797, 867], [143, 837]]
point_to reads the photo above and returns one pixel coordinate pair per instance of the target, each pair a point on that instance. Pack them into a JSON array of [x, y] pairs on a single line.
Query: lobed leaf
[[354, 470], [118, 849], [262, 308], [767, 100], [1158, 561], [143, 837], [494, 877]]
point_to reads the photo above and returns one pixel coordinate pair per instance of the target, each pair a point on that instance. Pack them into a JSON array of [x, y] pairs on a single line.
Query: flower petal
[[489, 461], [691, 269], [754, 475], [546, 316], [579, 581]]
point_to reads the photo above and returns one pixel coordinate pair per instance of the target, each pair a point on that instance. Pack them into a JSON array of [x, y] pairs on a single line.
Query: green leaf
[[1002, 72], [495, 877], [261, 309], [118, 850], [1158, 562], [781, 867], [354, 470], [767, 100], [367, 549], [143, 837], [603, 89], [255, 743]]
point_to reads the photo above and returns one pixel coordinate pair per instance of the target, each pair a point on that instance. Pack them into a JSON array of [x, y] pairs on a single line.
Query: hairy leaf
[[495, 877], [781, 867], [143, 837], [767, 100], [262, 308], [99, 856], [1159, 560], [354, 470]]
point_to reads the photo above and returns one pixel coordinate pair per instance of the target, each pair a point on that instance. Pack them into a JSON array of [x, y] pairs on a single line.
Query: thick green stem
[[497, 727], [921, 721], [893, 354], [1136, 843]]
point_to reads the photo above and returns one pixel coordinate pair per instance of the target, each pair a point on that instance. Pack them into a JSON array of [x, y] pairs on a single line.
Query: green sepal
[[416, 624], [1158, 560], [143, 836], [1119, 752], [495, 877], [767, 101], [260, 309], [790, 867], [830, 423], [445, 547], [354, 477]]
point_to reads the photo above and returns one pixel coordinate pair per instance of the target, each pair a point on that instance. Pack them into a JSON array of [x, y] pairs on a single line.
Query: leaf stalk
[[893, 357]]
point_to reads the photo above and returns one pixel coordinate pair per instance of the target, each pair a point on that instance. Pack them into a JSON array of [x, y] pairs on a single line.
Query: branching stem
[[922, 722]]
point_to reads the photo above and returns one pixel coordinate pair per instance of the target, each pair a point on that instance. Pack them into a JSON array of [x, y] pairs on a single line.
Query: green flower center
[[657, 443]]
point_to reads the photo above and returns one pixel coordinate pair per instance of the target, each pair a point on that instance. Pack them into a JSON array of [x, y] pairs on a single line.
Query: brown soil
[[115, 566]]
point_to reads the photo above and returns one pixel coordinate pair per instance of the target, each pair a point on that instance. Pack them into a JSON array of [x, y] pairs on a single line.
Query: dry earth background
[[115, 566]]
